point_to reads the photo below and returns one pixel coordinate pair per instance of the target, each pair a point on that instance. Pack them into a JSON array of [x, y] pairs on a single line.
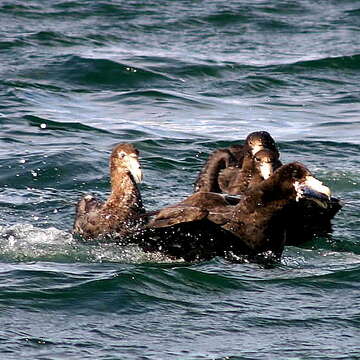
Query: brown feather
[[120, 215]]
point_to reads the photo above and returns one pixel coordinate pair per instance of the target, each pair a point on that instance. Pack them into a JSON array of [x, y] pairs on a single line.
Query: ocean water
[[178, 79]]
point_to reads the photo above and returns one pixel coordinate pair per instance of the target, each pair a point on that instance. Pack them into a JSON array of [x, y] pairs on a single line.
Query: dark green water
[[178, 79]]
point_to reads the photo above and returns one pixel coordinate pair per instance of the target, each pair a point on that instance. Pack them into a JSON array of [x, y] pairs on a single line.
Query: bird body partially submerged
[[246, 206], [255, 227], [255, 161], [123, 212]]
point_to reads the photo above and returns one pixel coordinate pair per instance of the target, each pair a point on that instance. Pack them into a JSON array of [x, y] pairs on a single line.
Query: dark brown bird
[[310, 218], [123, 212], [205, 224], [247, 166], [255, 168], [229, 161]]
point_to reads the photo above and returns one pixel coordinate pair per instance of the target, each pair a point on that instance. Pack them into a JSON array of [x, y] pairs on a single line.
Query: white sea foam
[[25, 242]]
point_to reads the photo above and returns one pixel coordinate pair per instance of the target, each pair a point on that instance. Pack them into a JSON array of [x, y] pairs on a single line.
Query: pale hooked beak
[[266, 170], [256, 148], [135, 168], [313, 189]]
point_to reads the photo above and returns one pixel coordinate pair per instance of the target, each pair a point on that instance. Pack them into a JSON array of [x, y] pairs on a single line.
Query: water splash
[[25, 242]]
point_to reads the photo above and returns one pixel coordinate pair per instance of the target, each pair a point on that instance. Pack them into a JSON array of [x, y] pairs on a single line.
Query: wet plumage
[[255, 168], [223, 165], [123, 212], [205, 224], [251, 164]]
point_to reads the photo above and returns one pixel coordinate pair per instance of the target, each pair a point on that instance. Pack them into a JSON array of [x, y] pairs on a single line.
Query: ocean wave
[[9, 43], [345, 62], [58, 38], [92, 71], [165, 80], [53, 38], [159, 95], [47, 124], [7, 7]]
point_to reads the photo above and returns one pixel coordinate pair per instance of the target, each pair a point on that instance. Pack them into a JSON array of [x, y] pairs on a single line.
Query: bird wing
[[86, 206], [176, 215]]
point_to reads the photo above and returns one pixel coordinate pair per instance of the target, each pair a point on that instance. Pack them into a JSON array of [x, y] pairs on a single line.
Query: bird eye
[[121, 154]]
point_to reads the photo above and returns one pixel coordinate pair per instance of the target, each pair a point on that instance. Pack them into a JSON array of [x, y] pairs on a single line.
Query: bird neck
[[208, 178], [123, 187]]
